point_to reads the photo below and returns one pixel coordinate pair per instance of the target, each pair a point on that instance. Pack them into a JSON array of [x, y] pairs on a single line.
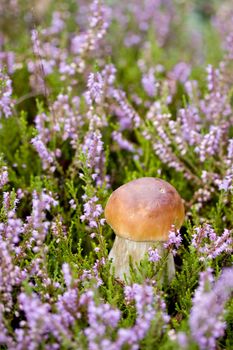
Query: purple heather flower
[[174, 240], [132, 39], [182, 340], [99, 18], [34, 330], [72, 204], [120, 97], [47, 157], [36, 222], [92, 212], [206, 317], [57, 24], [191, 87], [227, 183], [67, 274], [189, 121], [228, 46], [223, 20], [209, 245], [230, 150], [12, 230], [36, 43], [142, 15], [109, 74], [58, 229], [180, 72], [209, 145], [167, 156], [123, 143], [102, 319], [213, 75], [41, 120], [6, 102], [47, 56], [3, 176], [93, 147], [148, 307], [67, 312], [149, 83], [216, 104], [98, 22], [94, 272], [64, 118], [95, 86], [77, 43], [68, 69], [10, 275], [153, 254], [9, 204], [7, 59], [6, 201], [143, 295], [95, 158]]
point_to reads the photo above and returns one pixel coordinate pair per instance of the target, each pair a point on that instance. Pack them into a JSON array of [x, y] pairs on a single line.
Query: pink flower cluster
[[206, 318], [174, 240], [6, 101], [209, 245], [3, 176], [92, 212]]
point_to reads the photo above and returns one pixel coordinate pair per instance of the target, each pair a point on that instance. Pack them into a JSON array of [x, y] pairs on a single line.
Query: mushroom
[[142, 213]]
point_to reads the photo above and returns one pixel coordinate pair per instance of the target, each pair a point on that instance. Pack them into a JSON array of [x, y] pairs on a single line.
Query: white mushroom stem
[[124, 248]]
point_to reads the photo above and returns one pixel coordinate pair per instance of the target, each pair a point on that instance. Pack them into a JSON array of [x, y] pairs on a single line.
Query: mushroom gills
[[123, 248]]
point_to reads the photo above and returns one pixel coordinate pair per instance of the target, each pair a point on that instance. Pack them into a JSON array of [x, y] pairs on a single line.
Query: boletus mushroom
[[141, 213]]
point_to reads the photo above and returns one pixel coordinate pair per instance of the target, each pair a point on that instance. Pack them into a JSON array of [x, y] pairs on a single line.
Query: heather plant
[[94, 94]]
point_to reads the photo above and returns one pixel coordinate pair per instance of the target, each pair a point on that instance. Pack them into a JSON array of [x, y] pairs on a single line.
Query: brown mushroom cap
[[144, 210]]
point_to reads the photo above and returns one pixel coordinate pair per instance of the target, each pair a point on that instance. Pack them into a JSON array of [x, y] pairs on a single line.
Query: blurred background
[[185, 25], [175, 38]]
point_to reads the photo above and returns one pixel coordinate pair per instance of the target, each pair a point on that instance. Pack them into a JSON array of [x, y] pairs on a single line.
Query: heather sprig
[[6, 100], [174, 240], [3, 176], [208, 324], [154, 255], [209, 245]]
